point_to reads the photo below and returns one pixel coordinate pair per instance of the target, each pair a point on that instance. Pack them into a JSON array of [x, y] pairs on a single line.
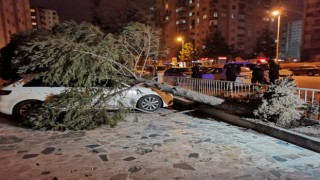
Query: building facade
[[43, 18], [311, 31], [14, 17], [239, 21], [293, 40]]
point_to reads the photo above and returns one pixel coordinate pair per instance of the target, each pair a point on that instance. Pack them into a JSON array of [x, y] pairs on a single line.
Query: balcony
[[192, 6], [182, 27], [181, 3], [182, 11]]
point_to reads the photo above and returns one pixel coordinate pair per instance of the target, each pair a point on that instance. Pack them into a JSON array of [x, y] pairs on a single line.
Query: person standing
[[232, 70], [196, 71], [273, 71], [257, 74]]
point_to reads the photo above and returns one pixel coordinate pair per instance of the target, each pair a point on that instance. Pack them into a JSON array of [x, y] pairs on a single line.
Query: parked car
[[309, 70], [24, 95], [160, 68], [219, 73], [143, 71], [214, 74], [282, 71], [245, 75], [178, 72]]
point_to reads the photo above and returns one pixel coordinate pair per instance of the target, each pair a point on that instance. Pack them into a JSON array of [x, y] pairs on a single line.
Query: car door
[[37, 89], [219, 74]]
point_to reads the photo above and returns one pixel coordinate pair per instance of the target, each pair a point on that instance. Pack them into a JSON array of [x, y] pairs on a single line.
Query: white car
[[244, 76], [23, 95], [220, 74]]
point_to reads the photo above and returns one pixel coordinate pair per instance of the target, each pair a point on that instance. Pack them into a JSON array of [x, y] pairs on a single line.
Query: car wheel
[[25, 107], [310, 73], [149, 103]]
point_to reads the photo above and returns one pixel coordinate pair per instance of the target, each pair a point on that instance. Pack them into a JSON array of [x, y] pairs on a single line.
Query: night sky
[[80, 10]]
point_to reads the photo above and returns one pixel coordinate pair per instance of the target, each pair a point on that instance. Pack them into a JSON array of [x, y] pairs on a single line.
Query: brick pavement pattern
[[163, 145]]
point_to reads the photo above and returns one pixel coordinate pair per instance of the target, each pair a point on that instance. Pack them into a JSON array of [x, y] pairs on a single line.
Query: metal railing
[[237, 90], [214, 87]]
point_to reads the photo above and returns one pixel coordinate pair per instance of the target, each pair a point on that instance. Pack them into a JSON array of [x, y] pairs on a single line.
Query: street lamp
[[180, 39], [277, 13]]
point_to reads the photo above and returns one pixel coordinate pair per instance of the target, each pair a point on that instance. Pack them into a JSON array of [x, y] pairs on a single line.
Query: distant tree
[[215, 45], [266, 44], [187, 53]]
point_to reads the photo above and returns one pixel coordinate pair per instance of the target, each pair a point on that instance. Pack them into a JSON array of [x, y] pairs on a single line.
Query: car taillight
[[5, 92]]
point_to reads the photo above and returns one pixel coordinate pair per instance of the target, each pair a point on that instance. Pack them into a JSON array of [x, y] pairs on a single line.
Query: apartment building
[[14, 17], [293, 40], [240, 21], [43, 18], [311, 31]]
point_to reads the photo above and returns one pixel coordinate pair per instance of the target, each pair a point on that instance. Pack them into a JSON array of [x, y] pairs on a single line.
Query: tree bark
[[186, 93]]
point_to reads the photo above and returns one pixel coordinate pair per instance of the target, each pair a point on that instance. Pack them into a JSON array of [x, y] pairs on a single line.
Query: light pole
[[277, 13], [180, 39]]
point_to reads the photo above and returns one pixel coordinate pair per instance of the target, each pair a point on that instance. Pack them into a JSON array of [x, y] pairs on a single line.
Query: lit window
[[223, 14], [181, 22], [204, 16], [266, 19], [213, 22], [167, 6], [32, 10], [33, 17], [198, 5], [215, 14], [198, 20], [34, 23]]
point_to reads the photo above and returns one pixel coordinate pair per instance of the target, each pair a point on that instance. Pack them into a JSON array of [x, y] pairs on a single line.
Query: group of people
[[233, 70], [258, 73]]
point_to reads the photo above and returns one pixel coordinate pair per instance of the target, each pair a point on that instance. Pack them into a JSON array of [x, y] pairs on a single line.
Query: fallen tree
[[82, 55]]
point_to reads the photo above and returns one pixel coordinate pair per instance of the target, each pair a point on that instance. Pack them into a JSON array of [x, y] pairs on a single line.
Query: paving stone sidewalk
[[165, 145]]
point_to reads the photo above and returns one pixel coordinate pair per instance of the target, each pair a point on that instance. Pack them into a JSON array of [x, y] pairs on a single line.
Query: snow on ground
[[164, 145]]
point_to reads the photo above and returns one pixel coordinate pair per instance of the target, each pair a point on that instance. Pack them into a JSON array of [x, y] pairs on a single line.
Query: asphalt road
[[312, 82]]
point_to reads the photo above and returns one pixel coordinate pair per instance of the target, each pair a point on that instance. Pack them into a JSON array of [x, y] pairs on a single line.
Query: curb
[[299, 139]]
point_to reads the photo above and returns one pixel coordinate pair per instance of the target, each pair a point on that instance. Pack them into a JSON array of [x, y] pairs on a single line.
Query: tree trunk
[[186, 93]]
